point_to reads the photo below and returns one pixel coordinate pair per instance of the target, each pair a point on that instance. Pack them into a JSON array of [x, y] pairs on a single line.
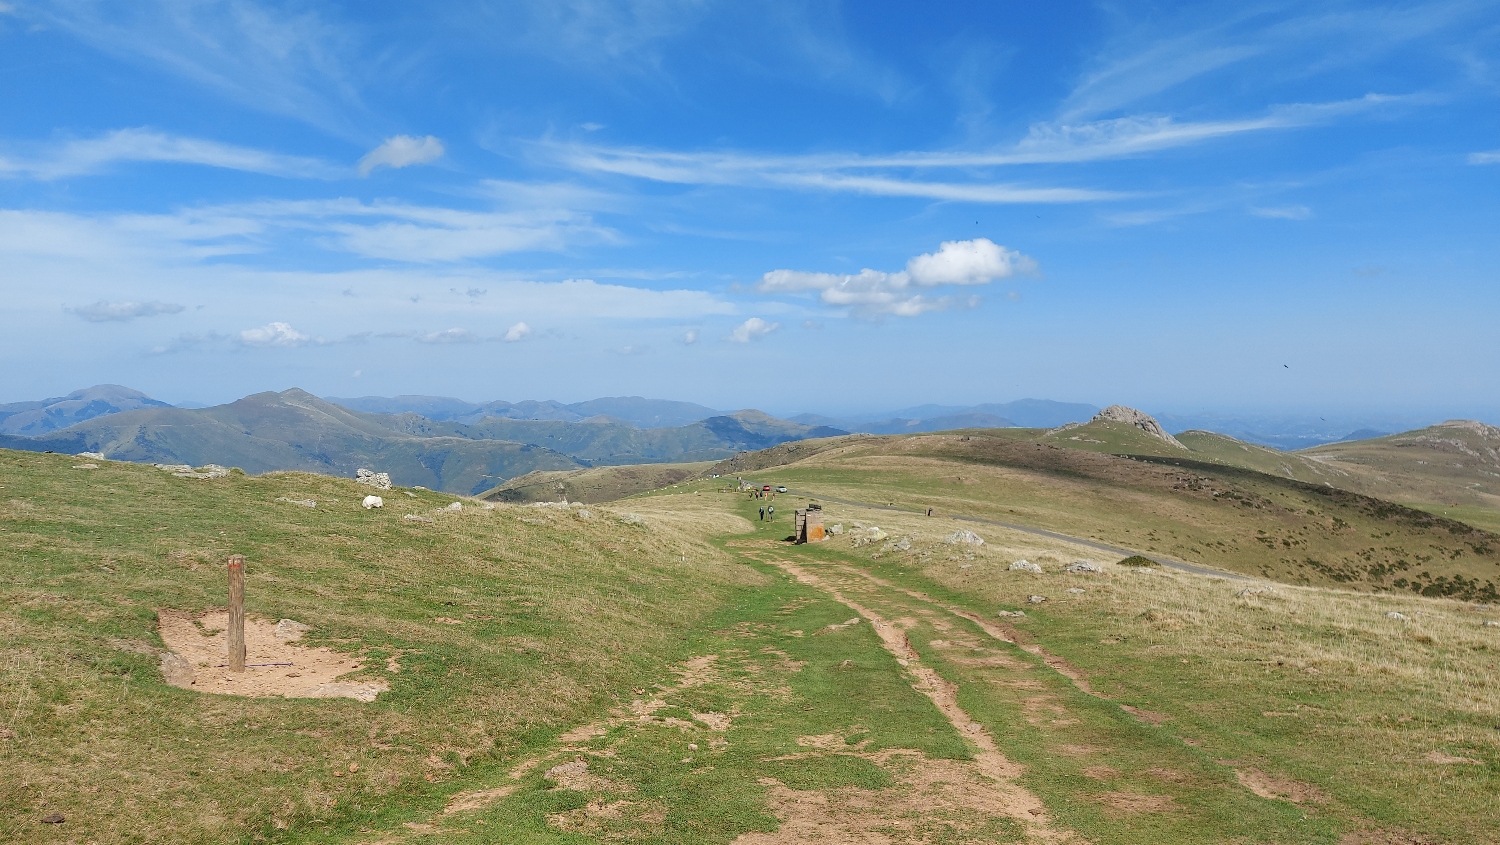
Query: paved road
[[1042, 532]]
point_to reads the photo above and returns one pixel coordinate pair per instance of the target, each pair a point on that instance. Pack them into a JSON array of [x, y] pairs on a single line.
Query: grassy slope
[[560, 617], [600, 484], [1222, 516], [1314, 687]]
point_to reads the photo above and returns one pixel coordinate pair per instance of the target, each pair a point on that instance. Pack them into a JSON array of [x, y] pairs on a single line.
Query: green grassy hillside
[[1223, 516], [600, 484]]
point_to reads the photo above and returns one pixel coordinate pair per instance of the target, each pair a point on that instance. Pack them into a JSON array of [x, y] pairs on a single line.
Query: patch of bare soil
[[1279, 787], [1448, 759], [274, 663], [1133, 802], [1101, 772], [931, 800], [597, 817], [1146, 715]]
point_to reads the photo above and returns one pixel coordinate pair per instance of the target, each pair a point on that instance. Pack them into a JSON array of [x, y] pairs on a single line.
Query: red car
[[767, 488]]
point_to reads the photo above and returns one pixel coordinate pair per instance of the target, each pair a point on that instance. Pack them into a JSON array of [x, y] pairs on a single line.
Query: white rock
[[378, 480], [411, 517], [632, 519], [372, 502], [1144, 422], [1491, 624], [836, 528], [585, 513], [1025, 566], [1391, 614], [965, 537], [902, 545], [1075, 590], [1010, 613], [97, 456], [306, 503], [291, 629], [1036, 599], [455, 506], [1082, 567]]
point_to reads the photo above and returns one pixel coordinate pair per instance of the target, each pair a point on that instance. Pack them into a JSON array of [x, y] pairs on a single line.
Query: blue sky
[[1275, 208]]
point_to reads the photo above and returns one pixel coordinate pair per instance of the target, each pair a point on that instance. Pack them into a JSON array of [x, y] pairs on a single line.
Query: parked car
[[766, 488], [781, 489]]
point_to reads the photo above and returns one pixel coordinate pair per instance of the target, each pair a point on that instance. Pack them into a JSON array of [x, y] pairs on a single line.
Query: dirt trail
[[1019, 803]]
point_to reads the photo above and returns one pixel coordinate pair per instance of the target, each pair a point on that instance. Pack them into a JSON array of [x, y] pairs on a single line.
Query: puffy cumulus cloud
[[752, 329], [274, 334], [516, 332], [401, 151], [103, 312], [875, 293], [1286, 212], [448, 336]]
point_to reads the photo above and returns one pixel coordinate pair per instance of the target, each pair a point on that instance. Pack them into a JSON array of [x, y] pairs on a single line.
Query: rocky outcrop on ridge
[[1144, 422]]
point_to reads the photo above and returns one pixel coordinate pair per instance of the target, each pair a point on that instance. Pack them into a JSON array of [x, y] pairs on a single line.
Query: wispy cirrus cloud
[[104, 312], [1283, 212], [875, 293], [289, 61], [895, 174], [1488, 157], [84, 156]]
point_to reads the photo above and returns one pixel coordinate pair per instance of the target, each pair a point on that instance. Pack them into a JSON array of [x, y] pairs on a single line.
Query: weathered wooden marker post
[[236, 613]]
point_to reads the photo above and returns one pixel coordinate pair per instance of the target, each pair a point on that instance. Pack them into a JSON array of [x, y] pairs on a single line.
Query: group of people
[[768, 513]]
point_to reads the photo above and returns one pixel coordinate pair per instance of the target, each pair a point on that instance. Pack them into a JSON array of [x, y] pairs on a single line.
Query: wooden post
[[236, 613]]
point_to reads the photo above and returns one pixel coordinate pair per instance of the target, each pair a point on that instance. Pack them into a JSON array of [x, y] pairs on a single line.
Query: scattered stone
[[53, 818], [95, 456], [836, 528], [291, 629], [1254, 591], [1010, 613], [185, 471], [692, 746], [1490, 624], [378, 480], [965, 566], [409, 493], [455, 506], [1144, 422], [964, 536], [585, 513], [1400, 617], [411, 517], [1036, 599], [1075, 590], [176, 671], [372, 502], [306, 503], [1083, 567], [1025, 566], [632, 519], [903, 545], [85, 466]]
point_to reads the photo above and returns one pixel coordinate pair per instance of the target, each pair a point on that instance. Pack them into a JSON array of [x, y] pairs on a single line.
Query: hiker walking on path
[[762, 514], [771, 512]]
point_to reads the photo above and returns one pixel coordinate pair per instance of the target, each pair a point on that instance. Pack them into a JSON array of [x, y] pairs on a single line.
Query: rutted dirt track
[[1019, 804]]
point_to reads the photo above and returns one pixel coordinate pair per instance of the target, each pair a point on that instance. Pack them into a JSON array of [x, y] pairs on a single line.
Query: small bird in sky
[[1288, 366]]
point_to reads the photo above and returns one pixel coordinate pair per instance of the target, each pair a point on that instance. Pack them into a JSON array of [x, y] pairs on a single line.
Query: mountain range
[[294, 430]]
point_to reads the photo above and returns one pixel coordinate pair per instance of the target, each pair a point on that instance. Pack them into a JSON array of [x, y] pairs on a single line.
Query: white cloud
[[401, 151], [101, 311], [1490, 157], [873, 293], [690, 337], [448, 336], [274, 334], [92, 155], [1286, 212], [752, 329], [516, 332]]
